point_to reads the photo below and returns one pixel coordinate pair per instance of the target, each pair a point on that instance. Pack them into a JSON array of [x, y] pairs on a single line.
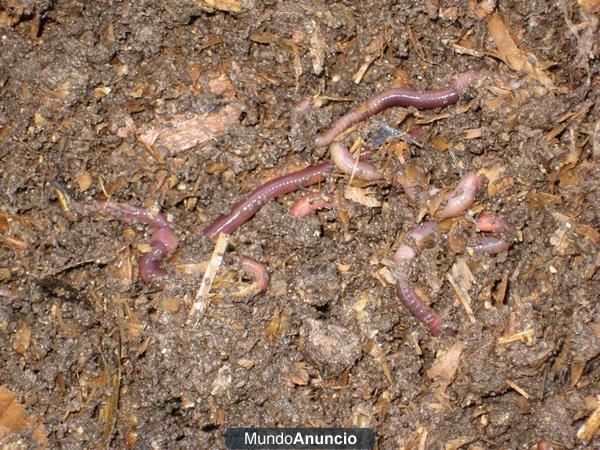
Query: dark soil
[[98, 358]]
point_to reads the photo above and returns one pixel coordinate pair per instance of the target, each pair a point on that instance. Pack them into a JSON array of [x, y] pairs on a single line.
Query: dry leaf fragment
[[443, 370], [440, 144], [22, 338], [84, 180], [515, 58], [12, 415], [13, 419], [589, 428], [364, 196], [225, 5], [539, 200], [482, 9], [457, 443], [274, 326], [473, 133]]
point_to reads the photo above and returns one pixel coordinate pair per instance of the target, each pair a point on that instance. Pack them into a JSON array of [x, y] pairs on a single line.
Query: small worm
[[420, 99], [121, 211], [461, 198], [496, 224], [309, 203], [417, 307], [490, 245], [492, 222], [414, 184], [246, 208], [343, 160], [418, 235], [257, 270], [163, 241]]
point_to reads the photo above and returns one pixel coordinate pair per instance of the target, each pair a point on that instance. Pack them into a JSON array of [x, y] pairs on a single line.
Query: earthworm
[[490, 245], [414, 183], [163, 241], [246, 208], [309, 203], [420, 99], [417, 234], [461, 198], [494, 223], [413, 242], [257, 270], [417, 307], [343, 160]]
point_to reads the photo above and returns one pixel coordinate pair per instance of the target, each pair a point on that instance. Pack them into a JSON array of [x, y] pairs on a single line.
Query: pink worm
[[246, 208], [343, 160], [418, 234], [309, 203], [163, 241], [490, 245], [494, 223], [407, 295], [257, 270], [420, 99], [462, 197], [407, 177], [417, 307]]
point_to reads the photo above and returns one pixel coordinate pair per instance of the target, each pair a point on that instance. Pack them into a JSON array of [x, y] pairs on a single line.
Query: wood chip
[[524, 336], [14, 243], [182, 133], [463, 297], [517, 388], [589, 428], [201, 301]]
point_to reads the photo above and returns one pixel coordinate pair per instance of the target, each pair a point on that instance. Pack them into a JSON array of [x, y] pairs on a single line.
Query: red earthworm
[[257, 270], [417, 307], [309, 203], [492, 222], [461, 198], [246, 208], [490, 245], [414, 183], [343, 160], [130, 213], [417, 235], [413, 242], [420, 99], [163, 241]]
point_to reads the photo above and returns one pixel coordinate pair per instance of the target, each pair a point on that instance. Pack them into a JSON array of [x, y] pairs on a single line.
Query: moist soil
[[185, 107]]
